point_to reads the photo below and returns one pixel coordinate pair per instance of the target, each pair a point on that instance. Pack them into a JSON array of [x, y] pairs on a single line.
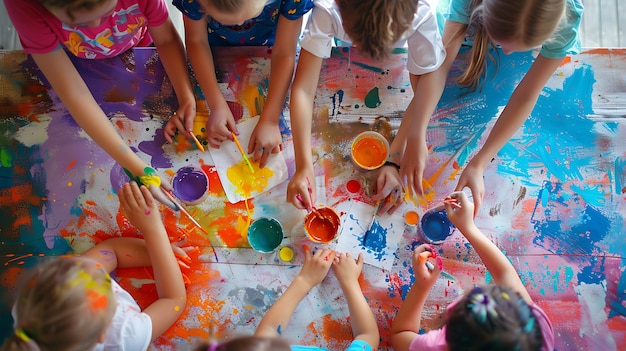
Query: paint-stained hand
[[301, 189], [388, 187], [265, 140], [472, 177], [423, 259], [347, 269], [181, 121], [461, 213], [413, 165], [140, 208], [316, 266], [219, 126]]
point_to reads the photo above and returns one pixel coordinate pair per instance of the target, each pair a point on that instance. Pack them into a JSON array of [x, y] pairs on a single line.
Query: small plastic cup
[[265, 234], [286, 254], [322, 225], [369, 151], [411, 220], [435, 226], [190, 185]]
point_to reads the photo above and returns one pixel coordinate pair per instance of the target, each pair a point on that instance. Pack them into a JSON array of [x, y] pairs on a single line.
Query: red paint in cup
[[322, 225]]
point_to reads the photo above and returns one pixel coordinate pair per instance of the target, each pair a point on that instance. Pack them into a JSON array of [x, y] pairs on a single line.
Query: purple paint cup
[[190, 185]]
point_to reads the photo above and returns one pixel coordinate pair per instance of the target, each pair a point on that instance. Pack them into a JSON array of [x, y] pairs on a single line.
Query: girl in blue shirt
[[515, 26], [275, 23]]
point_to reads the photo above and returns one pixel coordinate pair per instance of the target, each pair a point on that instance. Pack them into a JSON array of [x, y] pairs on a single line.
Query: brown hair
[[248, 343], [492, 318], [375, 25], [531, 22], [65, 304], [71, 6]]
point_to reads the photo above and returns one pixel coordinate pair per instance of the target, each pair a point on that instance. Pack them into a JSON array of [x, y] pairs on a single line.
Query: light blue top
[[356, 345], [565, 41]]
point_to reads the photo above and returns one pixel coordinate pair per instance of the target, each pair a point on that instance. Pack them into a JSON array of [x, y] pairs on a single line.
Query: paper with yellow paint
[[238, 182]]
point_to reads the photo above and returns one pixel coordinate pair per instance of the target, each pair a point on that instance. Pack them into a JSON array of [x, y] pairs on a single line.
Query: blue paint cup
[[265, 234], [435, 226]]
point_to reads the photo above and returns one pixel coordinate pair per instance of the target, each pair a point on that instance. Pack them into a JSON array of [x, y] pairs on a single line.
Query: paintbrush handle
[[243, 154]]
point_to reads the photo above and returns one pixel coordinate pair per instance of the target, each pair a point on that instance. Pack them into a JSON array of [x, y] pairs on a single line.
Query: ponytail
[[19, 341]]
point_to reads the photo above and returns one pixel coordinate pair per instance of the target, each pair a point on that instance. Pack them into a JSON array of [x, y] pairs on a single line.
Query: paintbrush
[[453, 202], [184, 211], [197, 142], [378, 206], [431, 267], [243, 154]]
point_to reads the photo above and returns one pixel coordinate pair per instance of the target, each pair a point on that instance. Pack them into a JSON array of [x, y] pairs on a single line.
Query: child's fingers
[[360, 261]]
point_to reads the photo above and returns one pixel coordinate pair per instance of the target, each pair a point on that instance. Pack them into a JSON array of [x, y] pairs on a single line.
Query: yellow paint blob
[[286, 254], [246, 182]]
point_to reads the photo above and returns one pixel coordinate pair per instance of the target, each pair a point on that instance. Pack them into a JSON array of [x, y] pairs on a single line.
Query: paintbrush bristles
[[243, 154], [197, 142]]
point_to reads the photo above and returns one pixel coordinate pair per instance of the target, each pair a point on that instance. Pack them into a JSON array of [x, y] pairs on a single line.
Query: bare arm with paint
[[301, 107], [406, 324], [515, 113], [495, 261], [266, 138], [142, 211], [362, 320], [313, 271]]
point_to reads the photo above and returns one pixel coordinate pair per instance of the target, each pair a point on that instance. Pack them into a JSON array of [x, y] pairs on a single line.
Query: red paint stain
[[71, 165]]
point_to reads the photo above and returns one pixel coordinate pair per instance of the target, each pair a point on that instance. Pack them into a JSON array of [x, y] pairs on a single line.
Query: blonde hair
[[65, 304], [530, 22], [71, 6], [376, 25]]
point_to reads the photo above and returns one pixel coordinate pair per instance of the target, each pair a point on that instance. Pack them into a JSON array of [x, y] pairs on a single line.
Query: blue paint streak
[[375, 240]]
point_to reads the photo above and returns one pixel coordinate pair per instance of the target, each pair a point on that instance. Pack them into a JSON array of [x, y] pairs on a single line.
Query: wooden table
[[555, 200]]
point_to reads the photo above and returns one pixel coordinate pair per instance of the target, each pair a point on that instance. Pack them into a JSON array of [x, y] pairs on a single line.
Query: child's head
[[80, 12], [514, 25], [233, 12], [376, 25], [492, 318], [64, 304], [248, 343]]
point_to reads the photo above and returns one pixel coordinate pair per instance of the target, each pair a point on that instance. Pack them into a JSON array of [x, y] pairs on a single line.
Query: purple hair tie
[[213, 346]]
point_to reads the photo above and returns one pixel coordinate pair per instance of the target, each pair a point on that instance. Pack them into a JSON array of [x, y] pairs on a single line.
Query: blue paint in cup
[[436, 226], [265, 234]]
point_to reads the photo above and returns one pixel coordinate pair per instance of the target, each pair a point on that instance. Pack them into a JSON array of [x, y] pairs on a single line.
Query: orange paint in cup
[[369, 151], [322, 225]]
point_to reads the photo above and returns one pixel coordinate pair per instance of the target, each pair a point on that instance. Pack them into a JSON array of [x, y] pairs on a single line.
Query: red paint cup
[[322, 225]]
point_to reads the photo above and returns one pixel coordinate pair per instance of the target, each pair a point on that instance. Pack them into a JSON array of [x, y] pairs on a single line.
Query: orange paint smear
[[369, 153]]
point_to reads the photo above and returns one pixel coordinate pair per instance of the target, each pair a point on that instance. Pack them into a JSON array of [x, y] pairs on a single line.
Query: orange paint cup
[[369, 151], [411, 219], [322, 225]]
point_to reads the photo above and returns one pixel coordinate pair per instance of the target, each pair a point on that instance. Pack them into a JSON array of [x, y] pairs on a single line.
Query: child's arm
[[266, 138], [495, 261], [301, 109], [515, 113], [313, 271], [362, 320], [221, 121], [406, 325], [142, 211], [172, 55]]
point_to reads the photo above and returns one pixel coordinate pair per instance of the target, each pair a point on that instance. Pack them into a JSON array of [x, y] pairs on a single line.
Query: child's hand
[[264, 141], [219, 126], [461, 213], [472, 177], [301, 189], [423, 274], [140, 207], [413, 165], [346, 268], [316, 266], [389, 187]]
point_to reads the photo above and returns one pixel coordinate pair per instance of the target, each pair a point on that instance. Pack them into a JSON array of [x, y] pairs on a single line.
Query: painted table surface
[[555, 198]]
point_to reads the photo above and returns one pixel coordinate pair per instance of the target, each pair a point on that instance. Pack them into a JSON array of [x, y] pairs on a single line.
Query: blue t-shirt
[[356, 345], [260, 30], [565, 40]]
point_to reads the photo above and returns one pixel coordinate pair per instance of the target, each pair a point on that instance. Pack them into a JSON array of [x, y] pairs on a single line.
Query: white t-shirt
[[425, 48], [131, 329]]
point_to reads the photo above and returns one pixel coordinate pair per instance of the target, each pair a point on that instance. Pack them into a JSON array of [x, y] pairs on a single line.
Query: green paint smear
[[6, 159], [372, 99]]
